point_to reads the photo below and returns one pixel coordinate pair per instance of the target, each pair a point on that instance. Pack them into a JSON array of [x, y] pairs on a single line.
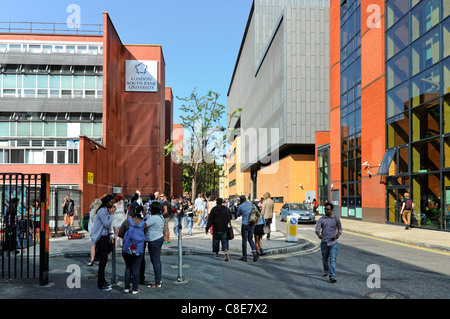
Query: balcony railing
[[50, 28]]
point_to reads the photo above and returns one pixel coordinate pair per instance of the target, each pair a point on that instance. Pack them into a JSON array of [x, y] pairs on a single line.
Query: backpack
[[134, 238], [408, 204], [255, 215]]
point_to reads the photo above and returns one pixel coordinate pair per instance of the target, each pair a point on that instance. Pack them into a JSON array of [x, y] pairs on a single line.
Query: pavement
[[200, 243]]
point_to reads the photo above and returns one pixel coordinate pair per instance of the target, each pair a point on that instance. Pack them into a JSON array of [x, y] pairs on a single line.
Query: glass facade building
[[417, 47], [350, 95]]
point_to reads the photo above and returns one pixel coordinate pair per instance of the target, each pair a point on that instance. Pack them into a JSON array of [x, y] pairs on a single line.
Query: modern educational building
[[281, 82], [389, 113], [82, 106]]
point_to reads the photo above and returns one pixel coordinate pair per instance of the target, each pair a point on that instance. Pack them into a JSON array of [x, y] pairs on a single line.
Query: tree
[[203, 138]]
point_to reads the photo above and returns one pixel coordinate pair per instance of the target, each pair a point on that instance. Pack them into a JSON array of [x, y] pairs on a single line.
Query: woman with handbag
[[259, 232]]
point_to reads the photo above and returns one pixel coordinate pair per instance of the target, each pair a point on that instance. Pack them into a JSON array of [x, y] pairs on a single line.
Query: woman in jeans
[[155, 239], [132, 261], [100, 237]]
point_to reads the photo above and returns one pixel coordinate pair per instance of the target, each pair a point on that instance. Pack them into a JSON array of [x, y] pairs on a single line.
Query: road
[[366, 268]]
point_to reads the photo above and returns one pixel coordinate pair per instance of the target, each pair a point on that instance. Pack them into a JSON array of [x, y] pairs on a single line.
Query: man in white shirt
[[199, 208]]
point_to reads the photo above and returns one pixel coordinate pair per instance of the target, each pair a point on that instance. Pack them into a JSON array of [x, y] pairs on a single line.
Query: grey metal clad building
[[281, 77]]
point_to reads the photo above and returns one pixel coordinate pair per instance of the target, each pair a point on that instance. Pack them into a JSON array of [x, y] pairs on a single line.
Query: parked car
[[299, 210]]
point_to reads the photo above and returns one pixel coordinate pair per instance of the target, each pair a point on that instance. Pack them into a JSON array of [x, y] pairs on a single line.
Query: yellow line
[[400, 244]]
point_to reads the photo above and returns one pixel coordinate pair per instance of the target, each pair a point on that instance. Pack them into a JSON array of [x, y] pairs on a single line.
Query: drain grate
[[385, 295]]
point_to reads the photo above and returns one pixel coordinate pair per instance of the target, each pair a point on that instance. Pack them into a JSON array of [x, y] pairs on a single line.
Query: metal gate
[[24, 231]]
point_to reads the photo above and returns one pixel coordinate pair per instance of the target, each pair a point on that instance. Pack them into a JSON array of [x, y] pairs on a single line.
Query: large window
[[418, 108]]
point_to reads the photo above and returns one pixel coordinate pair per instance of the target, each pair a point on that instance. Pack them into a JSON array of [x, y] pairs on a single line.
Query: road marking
[[400, 244], [312, 250]]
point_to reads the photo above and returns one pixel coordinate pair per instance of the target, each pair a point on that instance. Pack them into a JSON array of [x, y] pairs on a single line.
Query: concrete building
[[89, 110], [281, 81]]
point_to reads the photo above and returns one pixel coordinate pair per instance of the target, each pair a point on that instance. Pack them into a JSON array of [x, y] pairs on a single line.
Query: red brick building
[[89, 110]]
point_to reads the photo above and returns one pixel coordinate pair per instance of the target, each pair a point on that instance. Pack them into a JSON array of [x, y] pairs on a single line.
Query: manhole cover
[[385, 295]]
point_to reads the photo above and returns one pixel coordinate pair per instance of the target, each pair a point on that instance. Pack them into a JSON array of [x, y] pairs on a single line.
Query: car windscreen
[[298, 207]]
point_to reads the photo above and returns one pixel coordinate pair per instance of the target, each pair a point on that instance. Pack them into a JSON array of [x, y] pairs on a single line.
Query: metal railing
[[49, 28]]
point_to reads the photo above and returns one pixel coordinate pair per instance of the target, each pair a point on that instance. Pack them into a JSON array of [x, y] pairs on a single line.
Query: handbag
[[230, 233]]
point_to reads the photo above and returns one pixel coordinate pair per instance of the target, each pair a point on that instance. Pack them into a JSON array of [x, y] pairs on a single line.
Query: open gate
[[24, 227]]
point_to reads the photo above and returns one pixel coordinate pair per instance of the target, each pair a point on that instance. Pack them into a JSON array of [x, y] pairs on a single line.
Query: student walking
[[329, 229], [218, 219], [247, 229], [407, 207]]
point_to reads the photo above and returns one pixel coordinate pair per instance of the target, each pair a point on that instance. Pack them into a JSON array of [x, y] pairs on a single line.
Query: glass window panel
[[425, 120], [89, 83], [386, 162], [17, 156], [395, 10], [446, 73], [61, 157], [82, 49], [70, 49], [425, 86], [446, 113], [425, 51], [23, 128], [4, 128], [42, 81], [397, 69], [97, 129], [423, 17], [426, 191], [344, 126], [398, 130], [99, 82], [445, 9], [447, 151], [36, 129], [49, 157], [398, 100], [66, 81], [9, 81], [403, 160], [86, 129], [61, 129], [78, 82], [398, 37], [426, 156], [55, 81], [446, 38], [49, 129]]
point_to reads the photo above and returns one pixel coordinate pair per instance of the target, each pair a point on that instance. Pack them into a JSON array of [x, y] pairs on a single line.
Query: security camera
[[300, 185], [366, 164]]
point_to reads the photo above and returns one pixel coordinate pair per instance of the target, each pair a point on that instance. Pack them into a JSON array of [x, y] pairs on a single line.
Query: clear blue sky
[[200, 38]]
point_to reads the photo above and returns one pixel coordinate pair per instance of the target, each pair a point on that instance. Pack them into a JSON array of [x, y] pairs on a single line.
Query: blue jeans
[[188, 222], [219, 237], [154, 249], [247, 235], [132, 270], [203, 223], [176, 223], [329, 255]]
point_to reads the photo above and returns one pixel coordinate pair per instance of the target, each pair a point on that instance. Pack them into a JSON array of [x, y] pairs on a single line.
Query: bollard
[[180, 253], [291, 231], [113, 263]]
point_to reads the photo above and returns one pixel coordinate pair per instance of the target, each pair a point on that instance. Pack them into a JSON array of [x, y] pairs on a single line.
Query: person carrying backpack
[[407, 207], [133, 232]]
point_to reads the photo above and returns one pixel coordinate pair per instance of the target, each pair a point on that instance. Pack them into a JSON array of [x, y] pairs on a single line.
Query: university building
[[389, 111], [281, 82], [89, 110]]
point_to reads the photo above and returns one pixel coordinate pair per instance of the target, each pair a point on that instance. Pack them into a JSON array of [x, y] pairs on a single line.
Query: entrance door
[[394, 203]]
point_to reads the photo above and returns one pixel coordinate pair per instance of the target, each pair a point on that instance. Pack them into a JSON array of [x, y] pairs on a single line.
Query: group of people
[[136, 228]]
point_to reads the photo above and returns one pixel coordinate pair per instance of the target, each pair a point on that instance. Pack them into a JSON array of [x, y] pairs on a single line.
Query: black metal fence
[[24, 226]]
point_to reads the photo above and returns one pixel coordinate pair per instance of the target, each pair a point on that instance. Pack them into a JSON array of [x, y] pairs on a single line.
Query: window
[[397, 69], [425, 86], [425, 51], [397, 37], [424, 17], [397, 100], [425, 120], [395, 10], [49, 157], [17, 156]]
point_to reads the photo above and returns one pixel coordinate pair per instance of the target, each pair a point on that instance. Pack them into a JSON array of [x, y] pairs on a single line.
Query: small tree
[[202, 136]]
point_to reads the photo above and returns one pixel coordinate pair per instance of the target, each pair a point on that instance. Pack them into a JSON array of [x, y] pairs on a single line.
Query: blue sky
[[200, 38]]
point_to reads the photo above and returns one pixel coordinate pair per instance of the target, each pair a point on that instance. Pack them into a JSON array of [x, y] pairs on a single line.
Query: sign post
[[44, 231]]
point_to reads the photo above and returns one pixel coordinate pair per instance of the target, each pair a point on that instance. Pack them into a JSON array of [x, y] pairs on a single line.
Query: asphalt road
[[368, 268]]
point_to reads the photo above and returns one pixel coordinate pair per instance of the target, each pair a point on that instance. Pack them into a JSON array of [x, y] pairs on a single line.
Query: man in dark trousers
[[219, 218]]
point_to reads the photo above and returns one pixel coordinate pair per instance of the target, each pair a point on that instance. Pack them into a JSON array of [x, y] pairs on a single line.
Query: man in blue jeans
[[329, 229], [247, 230]]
